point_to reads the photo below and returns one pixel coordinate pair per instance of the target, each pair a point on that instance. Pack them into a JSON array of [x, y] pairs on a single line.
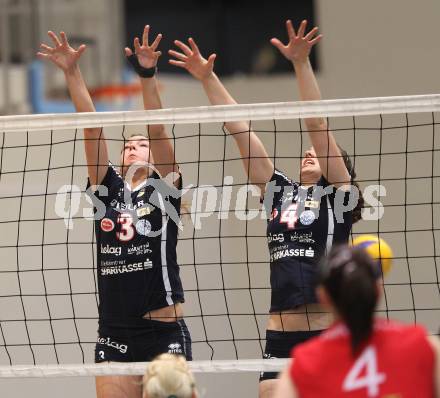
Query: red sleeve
[[296, 373], [292, 370], [306, 365], [425, 349]]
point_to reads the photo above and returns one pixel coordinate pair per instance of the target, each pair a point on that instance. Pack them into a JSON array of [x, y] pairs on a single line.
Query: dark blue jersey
[[301, 228], [136, 250]]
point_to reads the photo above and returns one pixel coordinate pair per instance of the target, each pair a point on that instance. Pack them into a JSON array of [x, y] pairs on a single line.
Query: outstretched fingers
[[42, 55], [309, 36], [136, 44], [211, 60], [145, 35], [193, 45], [46, 48], [156, 42], [81, 49], [302, 28], [177, 55], [278, 44], [180, 64], [290, 29], [64, 40], [187, 51], [315, 40], [54, 38]]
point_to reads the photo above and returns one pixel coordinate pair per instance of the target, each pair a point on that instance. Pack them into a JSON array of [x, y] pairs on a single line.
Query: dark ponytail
[[349, 277], [357, 211]]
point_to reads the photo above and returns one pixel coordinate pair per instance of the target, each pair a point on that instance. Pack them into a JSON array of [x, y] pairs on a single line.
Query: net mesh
[[48, 289]]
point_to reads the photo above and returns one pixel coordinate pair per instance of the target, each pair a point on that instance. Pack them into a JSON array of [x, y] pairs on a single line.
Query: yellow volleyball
[[377, 248]]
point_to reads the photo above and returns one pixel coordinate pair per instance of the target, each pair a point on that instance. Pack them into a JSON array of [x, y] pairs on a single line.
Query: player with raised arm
[[302, 224], [360, 356], [140, 291]]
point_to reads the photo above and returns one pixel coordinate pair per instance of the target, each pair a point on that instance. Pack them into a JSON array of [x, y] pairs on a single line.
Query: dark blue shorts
[[280, 344], [143, 342], [292, 285]]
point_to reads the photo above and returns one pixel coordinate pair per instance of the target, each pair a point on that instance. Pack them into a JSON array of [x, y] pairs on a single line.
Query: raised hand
[[299, 46], [62, 54], [146, 54], [191, 60]]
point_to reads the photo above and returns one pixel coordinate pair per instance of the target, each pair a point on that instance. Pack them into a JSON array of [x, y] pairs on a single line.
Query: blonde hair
[[168, 376]]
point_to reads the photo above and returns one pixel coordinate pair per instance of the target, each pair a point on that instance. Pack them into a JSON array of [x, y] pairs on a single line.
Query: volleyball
[[377, 248]]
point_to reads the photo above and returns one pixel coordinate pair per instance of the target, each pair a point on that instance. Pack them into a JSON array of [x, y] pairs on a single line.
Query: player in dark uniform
[[137, 218], [304, 222], [361, 355]]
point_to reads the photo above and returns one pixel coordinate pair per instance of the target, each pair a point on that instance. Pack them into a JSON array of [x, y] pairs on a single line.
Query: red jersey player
[[360, 356]]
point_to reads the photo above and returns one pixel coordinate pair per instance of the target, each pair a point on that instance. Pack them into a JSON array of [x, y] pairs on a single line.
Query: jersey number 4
[[364, 374], [288, 216]]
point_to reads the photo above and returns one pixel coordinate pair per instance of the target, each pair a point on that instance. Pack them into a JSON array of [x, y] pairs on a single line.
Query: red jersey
[[397, 361]]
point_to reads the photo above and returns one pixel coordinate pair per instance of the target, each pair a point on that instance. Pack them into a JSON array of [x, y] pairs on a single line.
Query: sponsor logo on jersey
[[143, 227], [111, 263], [275, 238], [143, 211], [141, 249], [111, 250], [290, 196], [116, 204], [175, 348], [277, 255], [307, 217], [126, 268], [302, 237], [267, 355], [107, 225], [122, 348], [312, 204]]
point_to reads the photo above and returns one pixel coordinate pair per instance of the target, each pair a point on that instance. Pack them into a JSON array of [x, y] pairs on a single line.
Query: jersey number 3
[[365, 365], [127, 231]]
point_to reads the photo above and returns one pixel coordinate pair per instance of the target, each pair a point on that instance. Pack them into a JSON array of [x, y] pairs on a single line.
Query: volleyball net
[[48, 281]]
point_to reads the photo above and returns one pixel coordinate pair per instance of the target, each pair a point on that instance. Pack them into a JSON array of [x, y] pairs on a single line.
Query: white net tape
[[138, 368], [264, 111]]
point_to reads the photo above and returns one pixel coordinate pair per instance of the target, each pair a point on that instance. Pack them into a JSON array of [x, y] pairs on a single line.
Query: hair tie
[[341, 259]]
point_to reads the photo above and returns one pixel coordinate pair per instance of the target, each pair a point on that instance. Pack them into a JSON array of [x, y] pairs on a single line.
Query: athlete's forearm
[[307, 83], [256, 161], [78, 91], [216, 91], [219, 95], [151, 99], [94, 144], [309, 91], [160, 144], [150, 93]]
